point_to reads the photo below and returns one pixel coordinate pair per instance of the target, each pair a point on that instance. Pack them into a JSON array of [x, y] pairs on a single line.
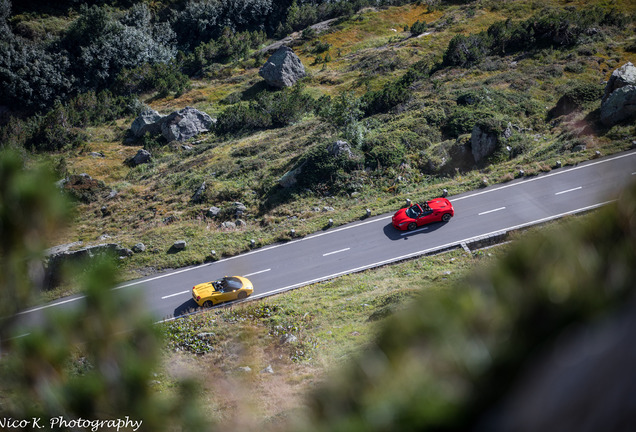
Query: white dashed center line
[[258, 272], [569, 190], [335, 252], [491, 211], [173, 295]]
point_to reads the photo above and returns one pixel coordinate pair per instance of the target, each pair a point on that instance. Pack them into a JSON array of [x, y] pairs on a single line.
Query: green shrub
[[319, 168], [384, 154], [462, 120], [418, 27], [466, 50], [161, 77], [267, 110]]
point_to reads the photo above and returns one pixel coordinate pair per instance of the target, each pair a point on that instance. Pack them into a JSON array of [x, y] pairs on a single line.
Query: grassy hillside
[[406, 150]]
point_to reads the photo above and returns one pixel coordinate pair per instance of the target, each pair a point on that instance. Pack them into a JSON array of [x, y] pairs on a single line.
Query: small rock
[[245, 369], [97, 154], [228, 225], [328, 209], [180, 244], [240, 222], [289, 339], [139, 247], [142, 157], [268, 370], [213, 211]]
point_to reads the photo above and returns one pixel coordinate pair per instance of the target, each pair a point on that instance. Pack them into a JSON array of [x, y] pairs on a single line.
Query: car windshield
[[414, 211], [231, 284]]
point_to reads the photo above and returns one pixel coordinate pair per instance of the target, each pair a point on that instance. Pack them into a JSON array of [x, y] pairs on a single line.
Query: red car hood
[[400, 216]]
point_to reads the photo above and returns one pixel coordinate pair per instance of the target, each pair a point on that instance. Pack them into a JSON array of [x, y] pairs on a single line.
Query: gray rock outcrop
[[147, 122], [483, 143], [198, 195], [283, 68], [60, 255], [213, 211], [619, 100], [621, 77], [177, 126], [185, 124], [290, 178]]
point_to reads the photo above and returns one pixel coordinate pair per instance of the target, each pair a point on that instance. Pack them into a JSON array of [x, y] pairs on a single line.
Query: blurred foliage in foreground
[[541, 341], [94, 361]]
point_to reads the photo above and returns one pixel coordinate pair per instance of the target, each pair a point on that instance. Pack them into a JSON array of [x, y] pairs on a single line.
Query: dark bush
[[467, 50], [267, 110], [378, 153], [418, 27], [320, 168], [548, 28], [165, 78], [462, 120]]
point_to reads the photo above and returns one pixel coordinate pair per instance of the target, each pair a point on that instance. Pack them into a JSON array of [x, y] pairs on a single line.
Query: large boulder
[[483, 142], [283, 68], [147, 122], [177, 126], [619, 106], [621, 77], [619, 100], [185, 124]]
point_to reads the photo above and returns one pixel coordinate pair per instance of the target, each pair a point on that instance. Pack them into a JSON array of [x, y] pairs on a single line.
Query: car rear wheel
[[446, 217], [208, 303], [412, 226], [242, 295]]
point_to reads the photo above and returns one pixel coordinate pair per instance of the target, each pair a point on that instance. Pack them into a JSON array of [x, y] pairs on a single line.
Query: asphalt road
[[373, 242]]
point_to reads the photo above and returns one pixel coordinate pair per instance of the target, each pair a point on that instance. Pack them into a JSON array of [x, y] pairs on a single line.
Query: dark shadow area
[[394, 234], [186, 308], [251, 92], [173, 250]]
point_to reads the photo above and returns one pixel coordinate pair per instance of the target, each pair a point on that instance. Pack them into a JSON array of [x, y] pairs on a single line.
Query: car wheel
[[208, 303], [446, 217], [412, 226], [242, 295]]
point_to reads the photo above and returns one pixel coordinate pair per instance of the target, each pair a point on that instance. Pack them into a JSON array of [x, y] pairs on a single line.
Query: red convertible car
[[435, 210]]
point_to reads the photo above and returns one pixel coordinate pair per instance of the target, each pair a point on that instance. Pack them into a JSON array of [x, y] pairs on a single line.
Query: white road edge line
[[258, 272], [162, 276], [175, 294], [335, 252], [544, 176], [569, 190], [50, 305], [414, 231], [491, 211]]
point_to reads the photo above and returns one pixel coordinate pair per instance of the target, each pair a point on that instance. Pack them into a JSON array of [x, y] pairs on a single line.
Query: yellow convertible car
[[229, 288]]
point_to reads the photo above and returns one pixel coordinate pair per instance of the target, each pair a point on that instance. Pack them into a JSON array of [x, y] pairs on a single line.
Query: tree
[[93, 363]]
